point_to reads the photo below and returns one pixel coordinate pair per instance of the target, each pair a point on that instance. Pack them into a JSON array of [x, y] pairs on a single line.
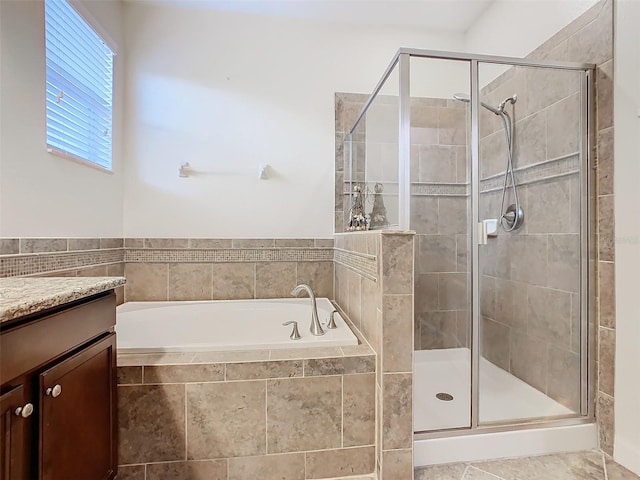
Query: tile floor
[[564, 466]]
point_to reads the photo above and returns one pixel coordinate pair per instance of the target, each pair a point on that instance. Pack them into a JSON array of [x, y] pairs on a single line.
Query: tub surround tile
[[166, 242], [397, 261], [275, 280], [339, 366], [98, 271], [139, 359], [210, 243], [359, 410], [111, 242], [235, 427], [9, 246], [134, 242], [233, 281], [144, 434], [289, 466], [319, 275], [133, 472], [262, 370], [302, 353], [25, 296], [83, 244], [191, 281], [341, 462], [304, 414], [323, 243], [191, 470], [129, 375], [294, 242], [184, 373], [146, 281], [41, 245], [231, 356], [253, 243], [357, 350]]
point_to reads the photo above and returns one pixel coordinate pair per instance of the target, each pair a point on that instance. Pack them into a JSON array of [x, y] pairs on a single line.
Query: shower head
[[512, 99], [463, 97]]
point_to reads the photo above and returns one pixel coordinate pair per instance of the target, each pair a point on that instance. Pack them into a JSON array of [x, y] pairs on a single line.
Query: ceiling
[[444, 15]]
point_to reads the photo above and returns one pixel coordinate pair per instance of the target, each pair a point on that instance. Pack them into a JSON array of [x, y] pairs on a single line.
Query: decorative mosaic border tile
[[539, 172], [535, 173], [32, 264], [441, 189], [361, 263], [228, 255]]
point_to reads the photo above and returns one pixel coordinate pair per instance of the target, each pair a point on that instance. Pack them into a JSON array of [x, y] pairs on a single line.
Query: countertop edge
[[27, 296]]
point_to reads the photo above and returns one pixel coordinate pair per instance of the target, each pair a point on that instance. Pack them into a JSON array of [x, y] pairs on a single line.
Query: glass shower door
[[531, 336], [440, 207]]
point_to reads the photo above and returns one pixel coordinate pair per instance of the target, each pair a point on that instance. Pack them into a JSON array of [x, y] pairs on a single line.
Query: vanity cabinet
[[58, 375]]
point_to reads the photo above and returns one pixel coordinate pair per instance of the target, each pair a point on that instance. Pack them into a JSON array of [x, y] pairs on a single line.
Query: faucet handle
[[295, 333], [332, 321]]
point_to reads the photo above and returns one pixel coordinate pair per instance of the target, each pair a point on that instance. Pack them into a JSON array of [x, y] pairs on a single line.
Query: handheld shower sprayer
[[511, 217]]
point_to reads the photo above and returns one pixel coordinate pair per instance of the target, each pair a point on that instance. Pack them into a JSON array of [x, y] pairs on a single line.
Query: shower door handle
[[482, 234]]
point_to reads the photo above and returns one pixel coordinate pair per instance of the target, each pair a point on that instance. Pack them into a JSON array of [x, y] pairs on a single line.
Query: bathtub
[[156, 327]]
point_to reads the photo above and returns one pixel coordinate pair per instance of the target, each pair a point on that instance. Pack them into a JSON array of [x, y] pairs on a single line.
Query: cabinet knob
[[25, 411], [54, 392]]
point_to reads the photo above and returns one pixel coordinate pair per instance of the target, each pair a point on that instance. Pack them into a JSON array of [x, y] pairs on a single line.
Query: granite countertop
[[25, 296]]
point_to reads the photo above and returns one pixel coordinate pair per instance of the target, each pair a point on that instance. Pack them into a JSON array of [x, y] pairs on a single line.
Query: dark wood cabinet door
[[78, 419], [16, 417]]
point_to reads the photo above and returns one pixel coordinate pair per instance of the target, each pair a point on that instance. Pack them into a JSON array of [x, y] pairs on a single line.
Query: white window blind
[[79, 86]]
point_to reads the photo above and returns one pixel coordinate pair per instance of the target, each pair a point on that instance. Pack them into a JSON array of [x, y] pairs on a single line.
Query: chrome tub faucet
[[315, 328]]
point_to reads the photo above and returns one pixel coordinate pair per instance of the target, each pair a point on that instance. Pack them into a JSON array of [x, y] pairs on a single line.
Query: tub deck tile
[[229, 357], [140, 359], [303, 353]]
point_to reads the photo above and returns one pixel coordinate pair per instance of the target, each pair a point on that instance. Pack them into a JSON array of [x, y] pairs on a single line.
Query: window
[[79, 86]]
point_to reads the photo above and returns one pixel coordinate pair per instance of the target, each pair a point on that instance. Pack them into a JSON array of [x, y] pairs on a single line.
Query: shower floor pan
[[446, 373]]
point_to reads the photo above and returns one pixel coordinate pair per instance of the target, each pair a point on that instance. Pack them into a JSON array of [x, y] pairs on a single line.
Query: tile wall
[[90, 257], [374, 286], [529, 289], [548, 279], [215, 269], [279, 414], [530, 278], [179, 268], [590, 39]]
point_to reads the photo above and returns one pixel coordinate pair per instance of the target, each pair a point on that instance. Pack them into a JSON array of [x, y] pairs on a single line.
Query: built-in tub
[[148, 327]]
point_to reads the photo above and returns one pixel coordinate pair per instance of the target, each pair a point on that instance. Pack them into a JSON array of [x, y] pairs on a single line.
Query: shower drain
[[445, 397]]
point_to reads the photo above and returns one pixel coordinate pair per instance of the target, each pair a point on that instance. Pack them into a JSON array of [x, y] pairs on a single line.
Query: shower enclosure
[[487, 160]]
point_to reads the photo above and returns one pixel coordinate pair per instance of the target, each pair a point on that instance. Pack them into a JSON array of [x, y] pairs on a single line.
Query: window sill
[[76, 159]]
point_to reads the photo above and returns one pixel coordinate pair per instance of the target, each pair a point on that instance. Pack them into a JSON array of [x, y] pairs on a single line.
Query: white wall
[[42, 194], [627, 221], [517, 27], [228, 92]]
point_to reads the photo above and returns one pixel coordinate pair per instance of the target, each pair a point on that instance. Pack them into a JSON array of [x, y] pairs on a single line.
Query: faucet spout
[[315, 328]]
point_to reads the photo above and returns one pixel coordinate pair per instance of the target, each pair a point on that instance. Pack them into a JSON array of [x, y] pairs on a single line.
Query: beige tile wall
[[530, 301], [382, 310], [309, 417], [63, 257], [215, 269]]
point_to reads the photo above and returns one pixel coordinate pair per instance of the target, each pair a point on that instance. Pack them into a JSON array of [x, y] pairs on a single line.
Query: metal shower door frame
[[402, 59]]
